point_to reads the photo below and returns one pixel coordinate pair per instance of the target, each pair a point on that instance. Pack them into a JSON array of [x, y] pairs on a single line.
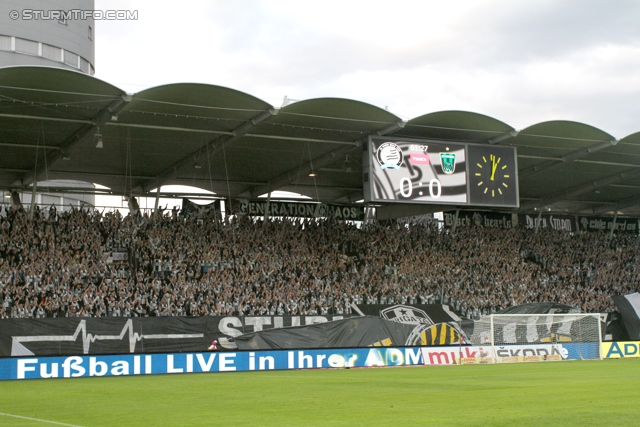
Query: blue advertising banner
[[178, 363]]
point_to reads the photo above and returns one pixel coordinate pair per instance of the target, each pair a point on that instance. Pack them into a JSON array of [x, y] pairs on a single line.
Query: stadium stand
[[60, 264]]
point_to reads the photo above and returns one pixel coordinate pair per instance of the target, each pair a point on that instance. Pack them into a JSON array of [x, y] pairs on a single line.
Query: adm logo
[[406, 314]]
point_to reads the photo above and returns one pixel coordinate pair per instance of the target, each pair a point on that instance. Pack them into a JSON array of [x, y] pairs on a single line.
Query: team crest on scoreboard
[[448, 162], [390, 156]]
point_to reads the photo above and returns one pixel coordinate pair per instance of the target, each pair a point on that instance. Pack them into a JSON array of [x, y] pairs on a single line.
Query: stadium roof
[[237, 145]]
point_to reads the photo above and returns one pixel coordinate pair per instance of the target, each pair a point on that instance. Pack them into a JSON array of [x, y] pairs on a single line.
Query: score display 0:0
[[406, 182]]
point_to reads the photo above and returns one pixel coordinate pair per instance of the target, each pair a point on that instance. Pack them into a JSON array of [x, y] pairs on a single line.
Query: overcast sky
[[522, 62]]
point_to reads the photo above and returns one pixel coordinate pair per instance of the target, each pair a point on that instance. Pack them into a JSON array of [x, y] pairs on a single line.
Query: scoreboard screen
[[428, 171]]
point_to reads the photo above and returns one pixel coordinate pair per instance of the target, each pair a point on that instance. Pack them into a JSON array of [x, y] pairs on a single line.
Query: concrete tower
[[36, 32], [44, 33]]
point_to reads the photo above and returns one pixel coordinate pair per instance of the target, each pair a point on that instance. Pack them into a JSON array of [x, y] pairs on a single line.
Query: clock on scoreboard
[[429, 171]]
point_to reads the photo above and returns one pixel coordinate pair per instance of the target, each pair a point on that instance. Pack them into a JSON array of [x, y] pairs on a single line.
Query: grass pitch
[[581, 393]]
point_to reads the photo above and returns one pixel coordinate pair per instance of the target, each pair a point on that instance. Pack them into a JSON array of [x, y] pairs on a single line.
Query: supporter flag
[[440, 334], [406, 314], [629, 308]]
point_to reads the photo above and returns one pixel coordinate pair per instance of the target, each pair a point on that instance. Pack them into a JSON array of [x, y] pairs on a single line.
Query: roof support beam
[[405, 210], [576, 191], [77, 174], [622, 204], [292, 175], [66, 146], [317, 163], [294, 138], [351, 197], [575, 155], [211, 147], [44, 147], [51, 119], [503, 137], [390, 129], [168, 128]]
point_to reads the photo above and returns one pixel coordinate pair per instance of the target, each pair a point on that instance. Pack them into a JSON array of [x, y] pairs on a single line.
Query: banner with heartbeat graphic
[[70, 336], [78, 336]]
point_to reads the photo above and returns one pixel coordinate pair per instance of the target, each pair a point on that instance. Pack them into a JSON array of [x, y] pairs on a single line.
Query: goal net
[[538, 337]]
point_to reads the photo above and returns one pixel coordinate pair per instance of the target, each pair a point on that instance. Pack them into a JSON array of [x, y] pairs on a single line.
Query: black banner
[[298, 210], [381, 325], [557, 222], [191, 209], [118, 335], [480, 219], [364, 331], [540, 308], [629, 308], [410, 314], [590, 223]]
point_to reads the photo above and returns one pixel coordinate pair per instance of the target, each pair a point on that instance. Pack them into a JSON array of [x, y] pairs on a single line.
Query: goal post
[[538, 337]]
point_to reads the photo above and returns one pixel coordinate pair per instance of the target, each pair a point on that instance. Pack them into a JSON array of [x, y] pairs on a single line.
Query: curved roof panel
[[198, 101], [333, 115], [59, 80], [462, 126], [237, 145], [46, 107]]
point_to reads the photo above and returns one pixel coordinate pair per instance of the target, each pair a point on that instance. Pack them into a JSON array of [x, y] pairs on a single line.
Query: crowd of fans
[[65, 264]]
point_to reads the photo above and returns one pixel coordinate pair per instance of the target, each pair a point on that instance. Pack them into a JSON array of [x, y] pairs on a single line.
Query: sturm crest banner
[[117, 335], [410, 314], [379, 326]]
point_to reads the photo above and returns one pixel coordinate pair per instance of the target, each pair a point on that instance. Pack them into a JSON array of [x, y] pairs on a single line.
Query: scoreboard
[[404, 170]]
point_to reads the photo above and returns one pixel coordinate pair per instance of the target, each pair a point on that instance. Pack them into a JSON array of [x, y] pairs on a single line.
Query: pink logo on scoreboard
[[419, 159]]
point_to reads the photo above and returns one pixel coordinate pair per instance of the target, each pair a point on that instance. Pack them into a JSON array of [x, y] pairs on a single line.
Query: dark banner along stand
[[118, 335]]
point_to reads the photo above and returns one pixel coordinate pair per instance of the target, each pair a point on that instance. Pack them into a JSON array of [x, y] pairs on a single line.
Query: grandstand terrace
[[55, 266]]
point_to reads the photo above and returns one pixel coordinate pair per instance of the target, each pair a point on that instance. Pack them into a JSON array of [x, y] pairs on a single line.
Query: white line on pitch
[[38, 419]]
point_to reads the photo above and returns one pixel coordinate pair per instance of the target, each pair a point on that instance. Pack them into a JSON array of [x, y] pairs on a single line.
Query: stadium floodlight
[[97, 140], [15, 199], [347, 164], [197, 164]]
